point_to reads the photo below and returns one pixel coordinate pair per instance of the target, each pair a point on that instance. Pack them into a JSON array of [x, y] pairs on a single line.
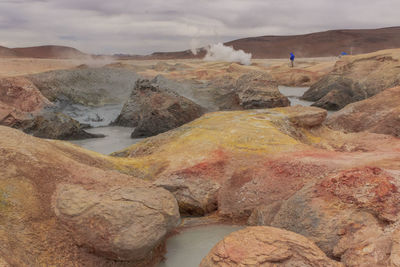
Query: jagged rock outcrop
[[378, 114], [259, 90], [195, 195], [23, 106], [65, 206], [356, 78], [54, 125], [266, 246], [153, 110], [357, 206], [19, 100], [86, 86]]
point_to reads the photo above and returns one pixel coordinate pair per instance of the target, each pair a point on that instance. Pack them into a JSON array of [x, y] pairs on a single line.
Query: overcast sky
[[141, 27]]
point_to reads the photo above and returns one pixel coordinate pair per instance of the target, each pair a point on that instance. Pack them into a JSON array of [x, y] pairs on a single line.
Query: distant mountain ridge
[[7, 52], [319, 44], [49, 51], [45, 51]]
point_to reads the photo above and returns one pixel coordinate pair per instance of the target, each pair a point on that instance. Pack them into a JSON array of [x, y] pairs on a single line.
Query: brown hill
[[49, 51], [319, 44], [7, 52]]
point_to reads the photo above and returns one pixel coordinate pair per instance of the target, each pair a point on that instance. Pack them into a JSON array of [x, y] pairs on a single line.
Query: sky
[[146, 26]]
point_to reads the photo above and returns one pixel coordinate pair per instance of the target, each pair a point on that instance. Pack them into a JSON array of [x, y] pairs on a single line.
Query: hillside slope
[[319, 44], [49, 51]]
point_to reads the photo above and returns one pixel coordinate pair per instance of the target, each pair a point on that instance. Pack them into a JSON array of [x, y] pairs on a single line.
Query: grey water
[[188, 248], [94, 116], [294, 94], [117, 138]]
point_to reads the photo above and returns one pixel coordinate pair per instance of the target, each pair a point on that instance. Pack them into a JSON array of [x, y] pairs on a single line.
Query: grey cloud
[[138, 26]]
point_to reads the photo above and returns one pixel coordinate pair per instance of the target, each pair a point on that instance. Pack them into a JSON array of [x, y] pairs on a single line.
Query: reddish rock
[[19, 99], [266, 246], [355, 205]]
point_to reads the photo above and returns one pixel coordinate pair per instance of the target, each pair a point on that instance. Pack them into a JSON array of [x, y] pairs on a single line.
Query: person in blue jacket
[[292, 59]]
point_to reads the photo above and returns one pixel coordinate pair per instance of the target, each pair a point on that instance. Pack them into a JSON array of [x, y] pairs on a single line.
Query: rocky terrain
[[23, 106], [226, 147], [64, 206], [282, 167], [153, 110], [378, 114], [356, 78], [86, 86], [221, 85]]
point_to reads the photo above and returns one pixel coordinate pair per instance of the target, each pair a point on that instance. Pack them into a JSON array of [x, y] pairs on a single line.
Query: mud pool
[[117, 138], [294, 94], [188, 248]]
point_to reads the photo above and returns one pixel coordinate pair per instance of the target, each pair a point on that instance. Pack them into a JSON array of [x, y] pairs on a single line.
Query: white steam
[[194, 46], [220, 52]]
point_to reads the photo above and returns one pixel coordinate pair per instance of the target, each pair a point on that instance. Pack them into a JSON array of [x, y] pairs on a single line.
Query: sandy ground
[[23, 66]]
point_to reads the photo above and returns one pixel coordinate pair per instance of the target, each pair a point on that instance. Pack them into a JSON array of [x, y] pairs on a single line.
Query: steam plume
[[220, 52]]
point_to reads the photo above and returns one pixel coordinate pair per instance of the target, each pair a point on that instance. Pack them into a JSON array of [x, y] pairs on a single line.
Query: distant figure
[[343, 54], [292, 59]]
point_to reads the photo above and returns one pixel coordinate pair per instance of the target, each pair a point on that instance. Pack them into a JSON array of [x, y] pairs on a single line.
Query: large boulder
[[252, 90], [378, 114], [259, 90], [85, 86], [153, 110], [64, 206], [54, 125], [356, 78], [24, 107], [19, 100], [266, 246], [124, 223]]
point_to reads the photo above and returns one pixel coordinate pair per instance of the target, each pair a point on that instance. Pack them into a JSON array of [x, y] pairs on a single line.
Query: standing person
[[292, 59]]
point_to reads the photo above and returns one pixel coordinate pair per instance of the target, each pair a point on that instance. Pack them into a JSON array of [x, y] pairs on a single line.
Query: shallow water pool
[[117, 138], [188, 248], [294, 94]]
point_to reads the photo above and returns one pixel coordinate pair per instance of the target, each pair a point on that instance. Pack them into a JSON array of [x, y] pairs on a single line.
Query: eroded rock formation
[[378, 114], [356, 78], [282, 167], [153, 110], [24, 107]]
